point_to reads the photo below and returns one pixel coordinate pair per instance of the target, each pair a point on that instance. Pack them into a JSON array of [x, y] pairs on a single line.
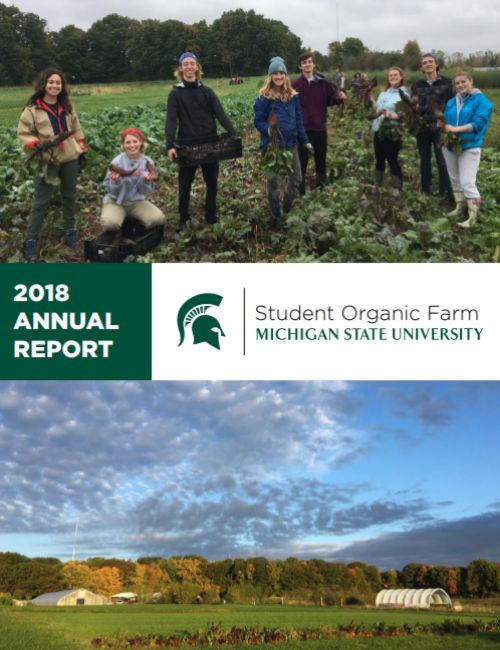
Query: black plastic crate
[[220, 147], [143, 240]]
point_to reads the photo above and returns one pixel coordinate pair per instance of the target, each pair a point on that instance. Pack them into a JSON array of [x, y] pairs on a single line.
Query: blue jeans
[[426, 142]]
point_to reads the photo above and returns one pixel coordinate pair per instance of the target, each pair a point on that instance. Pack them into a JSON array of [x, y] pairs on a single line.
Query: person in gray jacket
[[129, 179]]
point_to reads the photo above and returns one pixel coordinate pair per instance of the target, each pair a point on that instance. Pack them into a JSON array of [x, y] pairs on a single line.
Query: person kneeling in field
[[278, 118], [130, 178]]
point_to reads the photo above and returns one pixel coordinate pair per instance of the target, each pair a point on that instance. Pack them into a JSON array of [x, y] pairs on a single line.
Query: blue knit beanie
[[187, 55], [277, 64]]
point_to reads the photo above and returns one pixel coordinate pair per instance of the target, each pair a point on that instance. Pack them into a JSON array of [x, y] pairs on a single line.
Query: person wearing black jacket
[[433, 91], [192, 114]]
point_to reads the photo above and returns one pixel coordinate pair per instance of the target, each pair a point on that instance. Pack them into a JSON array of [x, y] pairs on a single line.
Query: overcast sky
[[448, 25], [386, 473]]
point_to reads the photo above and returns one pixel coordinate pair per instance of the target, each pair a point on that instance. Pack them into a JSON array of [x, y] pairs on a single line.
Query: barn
[[71, 597], [417, 598]]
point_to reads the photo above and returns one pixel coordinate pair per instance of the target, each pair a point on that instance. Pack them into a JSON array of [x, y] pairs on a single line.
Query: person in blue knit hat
[[278, 111]]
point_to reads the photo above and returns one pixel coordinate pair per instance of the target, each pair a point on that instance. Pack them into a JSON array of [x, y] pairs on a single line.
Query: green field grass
[[93, 98], [73, 628], [96, 97]]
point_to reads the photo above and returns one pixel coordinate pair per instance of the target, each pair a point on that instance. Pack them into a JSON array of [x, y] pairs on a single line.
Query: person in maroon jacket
[[315, 94]]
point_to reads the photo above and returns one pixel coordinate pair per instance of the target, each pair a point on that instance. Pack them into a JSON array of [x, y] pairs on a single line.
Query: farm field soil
[[350, 221], [61, 628]]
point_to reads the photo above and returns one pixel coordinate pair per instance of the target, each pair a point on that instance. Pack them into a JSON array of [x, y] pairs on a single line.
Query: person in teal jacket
[[467, 115]]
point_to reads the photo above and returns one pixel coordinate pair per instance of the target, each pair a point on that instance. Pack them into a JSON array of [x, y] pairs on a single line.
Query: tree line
[[117, 48], [352, 54], [257, 579]]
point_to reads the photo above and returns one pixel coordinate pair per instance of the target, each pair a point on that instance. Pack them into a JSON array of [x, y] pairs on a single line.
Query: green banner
[[81, 321]]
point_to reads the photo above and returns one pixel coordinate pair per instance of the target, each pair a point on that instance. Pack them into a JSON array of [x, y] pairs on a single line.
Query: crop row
[[215, 635], [347, 222]]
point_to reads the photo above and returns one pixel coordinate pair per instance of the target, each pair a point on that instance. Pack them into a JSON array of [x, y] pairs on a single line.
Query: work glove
[[310, 149]]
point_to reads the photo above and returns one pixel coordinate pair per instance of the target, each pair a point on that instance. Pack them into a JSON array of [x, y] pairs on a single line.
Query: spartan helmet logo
[[206, 328]]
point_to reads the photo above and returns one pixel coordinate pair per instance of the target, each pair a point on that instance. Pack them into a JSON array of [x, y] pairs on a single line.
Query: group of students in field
[[289, 115]]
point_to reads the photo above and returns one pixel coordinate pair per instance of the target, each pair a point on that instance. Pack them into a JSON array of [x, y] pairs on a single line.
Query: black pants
[[210, 173], [318, 141], [387, 150], [426, 142]]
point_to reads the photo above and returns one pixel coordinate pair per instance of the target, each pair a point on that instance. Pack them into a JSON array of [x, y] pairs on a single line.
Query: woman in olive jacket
[[47, 114]]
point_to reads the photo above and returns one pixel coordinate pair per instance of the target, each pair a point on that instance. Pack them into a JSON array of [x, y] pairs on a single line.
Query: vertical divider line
[[244, 321]]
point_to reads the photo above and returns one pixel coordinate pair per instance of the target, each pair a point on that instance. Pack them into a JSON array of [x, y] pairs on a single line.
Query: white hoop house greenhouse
[[419, 598]]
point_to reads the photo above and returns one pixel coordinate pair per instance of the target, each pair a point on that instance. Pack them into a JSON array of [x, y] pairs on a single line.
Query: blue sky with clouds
[[448, 25], [382, 472]]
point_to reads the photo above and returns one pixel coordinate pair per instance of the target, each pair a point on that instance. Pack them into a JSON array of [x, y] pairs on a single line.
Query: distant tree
[[199, 40], [150, 578], [452, 582], [190, 569], [16, 65], [389, 579], [371, 574], [245, 41], [483, 578], [353, 47], [438, 577], [126, 569], [335, 55], [71, 46], [35, 39], [412, 575], [26, 578], [412, 55], [321, 61], [77, 575], [108, 54], [219, 573], [295, 575], [457, 59], [440, 57], [154, 47]]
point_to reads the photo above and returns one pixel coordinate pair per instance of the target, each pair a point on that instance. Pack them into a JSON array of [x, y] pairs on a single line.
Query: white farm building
[[418, 598], [71, 597]]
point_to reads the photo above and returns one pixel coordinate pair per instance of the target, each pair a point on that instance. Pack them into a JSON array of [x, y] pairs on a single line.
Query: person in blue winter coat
[[278, 107], [387, 139], [468, 115]]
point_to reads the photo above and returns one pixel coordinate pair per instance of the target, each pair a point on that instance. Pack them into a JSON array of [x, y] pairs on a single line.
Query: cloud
[[81, 447], [227, 469], [454, 543], [447, 25], [422, 402]]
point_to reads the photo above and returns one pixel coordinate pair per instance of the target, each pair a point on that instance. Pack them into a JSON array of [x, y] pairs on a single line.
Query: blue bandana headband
[[187, 55]]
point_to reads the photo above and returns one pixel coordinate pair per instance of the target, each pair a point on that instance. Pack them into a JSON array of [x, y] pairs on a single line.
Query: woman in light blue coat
[[387, 134], [467, 115]]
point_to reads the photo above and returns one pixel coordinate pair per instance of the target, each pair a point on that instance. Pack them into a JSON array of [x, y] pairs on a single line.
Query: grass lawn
[[73, 628], [93, 98]]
